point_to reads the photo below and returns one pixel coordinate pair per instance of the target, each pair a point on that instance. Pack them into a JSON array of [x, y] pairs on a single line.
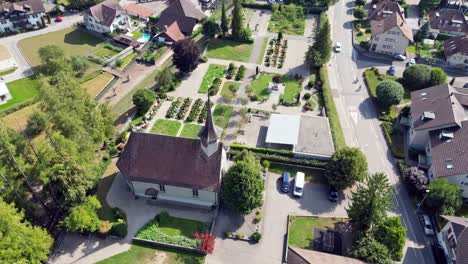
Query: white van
[[298, 184]]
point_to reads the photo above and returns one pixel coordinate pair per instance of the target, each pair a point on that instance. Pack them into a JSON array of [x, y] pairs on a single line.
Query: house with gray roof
[[447, 21], [184, 12], [454, 239], [22, 15], [173, 169], [456, 52], [107, 17], [439, 131]]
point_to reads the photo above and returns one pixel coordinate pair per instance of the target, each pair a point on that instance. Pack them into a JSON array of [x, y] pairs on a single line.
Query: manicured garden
[[21, 91], [260, 89], [289, 19], [260, 86], [276, 53], [166, 127], [72, 41], [229, 50], [215, 72], [301, 229], [144, 254], [172, 230], [229, 88], [96, 84], [190, 131], [221, 115], [291, 91], [107, 51], [126, 61]]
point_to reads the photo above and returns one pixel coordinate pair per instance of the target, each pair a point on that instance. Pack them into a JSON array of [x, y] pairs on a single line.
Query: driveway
[[87, 249], [277, 207]]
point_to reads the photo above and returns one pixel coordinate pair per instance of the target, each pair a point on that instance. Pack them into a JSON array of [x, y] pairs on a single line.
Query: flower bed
[[202, 116], [230, 71], [173, 108], [240, 73], [214, 89], [195, 110], [184, 108], [276, 53]]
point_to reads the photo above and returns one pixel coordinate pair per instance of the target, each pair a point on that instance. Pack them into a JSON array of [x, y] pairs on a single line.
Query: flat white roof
[[283, 129], [3, 89]]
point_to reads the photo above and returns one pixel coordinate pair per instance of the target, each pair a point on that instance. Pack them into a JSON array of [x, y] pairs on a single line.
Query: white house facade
[[23, 15], [107, 17], [456, 52], [453, 238]]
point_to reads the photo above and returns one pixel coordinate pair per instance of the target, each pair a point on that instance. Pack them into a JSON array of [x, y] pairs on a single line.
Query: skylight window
[[446, 135], [428, 115]]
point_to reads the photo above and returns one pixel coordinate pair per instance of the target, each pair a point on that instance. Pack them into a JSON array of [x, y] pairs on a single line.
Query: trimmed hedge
[[387, 128], [257, 5], [240, 147], [285, 159], [332, 113], [119, 229], [240, 73]]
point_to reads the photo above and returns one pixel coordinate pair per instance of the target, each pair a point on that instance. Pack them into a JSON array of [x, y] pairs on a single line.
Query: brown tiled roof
[[184, 12], [456, 45], [139, 10], [462, 96], [450, 156], [380, 27], [302, 256], [439, 100], [29, 6], [106, 11], [170, 160], [173, 32], [443, 20], [208, 133], [460, 228], [385, 9]]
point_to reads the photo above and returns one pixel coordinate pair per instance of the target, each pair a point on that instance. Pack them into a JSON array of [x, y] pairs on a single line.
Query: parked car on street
[[427, 223], [285, 182], [59, 19], [298, 184], [400, 57], [332, 194], [391, 71], [338, 47]]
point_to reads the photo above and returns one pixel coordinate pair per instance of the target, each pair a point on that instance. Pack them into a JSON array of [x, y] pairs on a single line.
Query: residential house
[[184, 12], [448, 21], [22, 15], [454, 239], [107, 17], [439, 131], [171, 34], [391, 35], [139, 12], [456, 52], [385, 9], [173, 169]]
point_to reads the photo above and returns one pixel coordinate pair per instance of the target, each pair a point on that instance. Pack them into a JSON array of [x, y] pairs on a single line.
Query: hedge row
[[387, 128], [173, 108], [330, 108], [195, 110], [240, 147], [257, 5], [184, 108], [240, 73], [230, 71], [284, 159], [213, 90]]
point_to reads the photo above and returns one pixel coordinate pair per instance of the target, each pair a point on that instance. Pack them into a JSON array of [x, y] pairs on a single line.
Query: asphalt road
[[361, 126]]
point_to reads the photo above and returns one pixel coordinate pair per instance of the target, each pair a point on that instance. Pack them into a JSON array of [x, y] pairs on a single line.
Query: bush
[[203, 59], [258, 218], [143, 99], [346, 166], [83, 217], [239, 235], [438, 76], [284, 159], [307, 96], [312, 79], [36, 124], [256, 237], [265, 163], [360, 2], [240, 73], [417, 77], [164, 218], [389, 93], [104, 227], [416, 178], [360, 13], [276, 79], [230, 71]]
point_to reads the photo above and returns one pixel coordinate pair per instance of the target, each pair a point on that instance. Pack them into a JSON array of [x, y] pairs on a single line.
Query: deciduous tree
[[143, 99], [210, 28], [443, 197], [224, 22], [392, 234], [37, 122], [370, 250], [83, 217], [438, 76], [186, 55], [417, 77], [389, 93], [359, 12], [416, 178], [347, 165], [243, 184]]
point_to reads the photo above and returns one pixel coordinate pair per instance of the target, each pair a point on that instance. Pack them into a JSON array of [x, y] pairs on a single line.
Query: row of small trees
[[320, 52], [239, 32]]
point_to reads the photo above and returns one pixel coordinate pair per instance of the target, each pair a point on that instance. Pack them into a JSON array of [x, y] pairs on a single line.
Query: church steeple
[[209, 135]]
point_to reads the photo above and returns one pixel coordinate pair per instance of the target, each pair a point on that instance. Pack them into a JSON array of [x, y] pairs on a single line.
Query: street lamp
[[422, 201]]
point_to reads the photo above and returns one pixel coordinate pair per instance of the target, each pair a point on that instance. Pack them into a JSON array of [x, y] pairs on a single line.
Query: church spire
[[209, 135]]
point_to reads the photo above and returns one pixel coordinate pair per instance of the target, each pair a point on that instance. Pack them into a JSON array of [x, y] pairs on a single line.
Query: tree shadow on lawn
[[78, 37]]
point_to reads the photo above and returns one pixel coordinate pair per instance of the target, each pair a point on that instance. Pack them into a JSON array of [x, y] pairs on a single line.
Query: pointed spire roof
[[209, 133]]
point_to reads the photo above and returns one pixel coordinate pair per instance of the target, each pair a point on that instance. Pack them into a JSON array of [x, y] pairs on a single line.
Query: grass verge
[[95, 85], [190, 131], [221, 115], [301, 229], [21, 91], [229, 50], [262, 53], [6, 72], [166, 127]]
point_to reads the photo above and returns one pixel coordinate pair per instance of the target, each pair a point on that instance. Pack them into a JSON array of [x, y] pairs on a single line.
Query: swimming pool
[[144, 38]]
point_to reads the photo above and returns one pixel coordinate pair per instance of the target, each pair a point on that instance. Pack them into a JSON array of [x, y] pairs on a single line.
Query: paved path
[[11, 42]]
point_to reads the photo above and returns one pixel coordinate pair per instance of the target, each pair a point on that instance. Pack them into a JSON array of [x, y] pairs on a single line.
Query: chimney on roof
[[437, 14]]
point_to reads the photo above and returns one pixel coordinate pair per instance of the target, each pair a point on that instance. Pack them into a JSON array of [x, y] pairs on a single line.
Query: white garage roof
[[283, 129], [3, 89]]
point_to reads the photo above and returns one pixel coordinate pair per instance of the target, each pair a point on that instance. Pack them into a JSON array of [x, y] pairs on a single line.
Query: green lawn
[[361, 36], [137, 34], [229, 50], [166, 127], [262, 54], [21, 90], [291, 90], [6, 72], [105, 52], [287, 23], [214, 71], [143, 254], [311, 175], [96, 84], [226, 91], [411, 49], [190, 131], [127, 60], [221, 115], [181, 227], [301, 229], [72, 41], [260, 85]]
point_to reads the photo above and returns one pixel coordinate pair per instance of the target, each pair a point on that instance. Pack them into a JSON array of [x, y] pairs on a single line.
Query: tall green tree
[[320, 53], [389, 93], [370, 250], [417, 77], [237, 21], [370, 202], [346, 166], [53, 59], [20, 241], [438, 76], [243, 184], [443, 197], [391, 233], [143, 99], [210, 28], [83, 217], [224, 22]]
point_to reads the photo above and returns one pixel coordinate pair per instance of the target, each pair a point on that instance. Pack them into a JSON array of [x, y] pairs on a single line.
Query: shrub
[[104, 227], [228, 233], [360, 13], [119, 229], [143, 99], [239, 235], [203, 59], [256, 237], [417, 77], [240, 73], [265, 163], [389, 93], [83, 217], [258, 218], [360, 2], [207, 242], [307, 96], [164, 218], [416, 178], [230, 71], [36, 124], [438, 76], [195, 110]]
